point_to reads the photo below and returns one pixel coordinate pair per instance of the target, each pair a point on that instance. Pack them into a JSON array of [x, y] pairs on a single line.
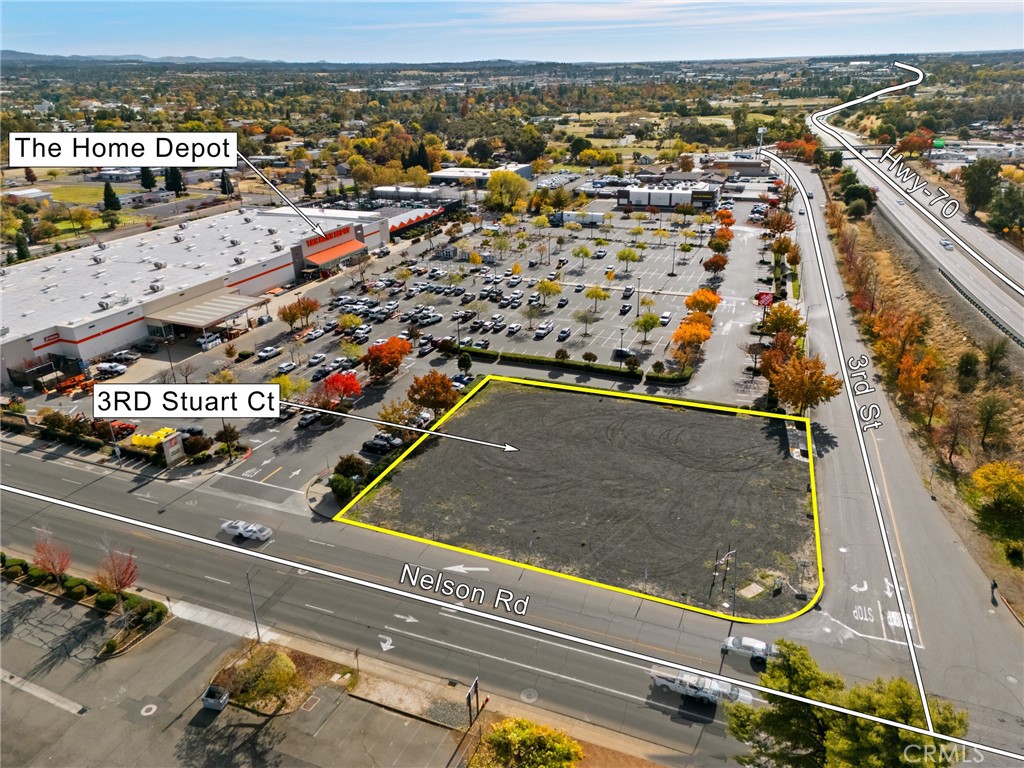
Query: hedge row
[[14, 425], [574, 365]]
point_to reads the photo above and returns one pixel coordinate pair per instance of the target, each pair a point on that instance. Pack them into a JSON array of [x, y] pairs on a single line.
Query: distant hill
[[23, 57]]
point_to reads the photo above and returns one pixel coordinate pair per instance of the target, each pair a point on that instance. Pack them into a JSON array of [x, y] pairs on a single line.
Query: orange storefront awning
[[336, 252]]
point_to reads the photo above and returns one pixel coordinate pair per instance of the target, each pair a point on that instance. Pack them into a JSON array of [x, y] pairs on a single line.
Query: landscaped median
[[135, 616], [628, 372]]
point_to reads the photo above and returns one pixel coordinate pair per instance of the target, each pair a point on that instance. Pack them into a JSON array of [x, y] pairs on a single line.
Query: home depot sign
[[327, 240]]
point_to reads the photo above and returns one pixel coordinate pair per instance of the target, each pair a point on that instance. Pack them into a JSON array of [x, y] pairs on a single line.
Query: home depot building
[[61, 311]]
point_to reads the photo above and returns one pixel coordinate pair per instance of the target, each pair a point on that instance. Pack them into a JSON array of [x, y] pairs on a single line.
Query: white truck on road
[[669, 679]]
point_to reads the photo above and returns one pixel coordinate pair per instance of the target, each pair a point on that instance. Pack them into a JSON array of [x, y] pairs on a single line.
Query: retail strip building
[[59, 312]]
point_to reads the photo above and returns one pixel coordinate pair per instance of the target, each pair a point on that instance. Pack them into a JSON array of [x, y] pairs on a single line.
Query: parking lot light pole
[[672, 272], [621, 332], [638, 297], [167, 348]]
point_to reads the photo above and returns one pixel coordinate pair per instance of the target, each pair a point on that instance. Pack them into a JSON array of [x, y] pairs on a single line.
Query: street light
[[621, 332], [252, 601], [638, 297], [672, 273], [167, 348]]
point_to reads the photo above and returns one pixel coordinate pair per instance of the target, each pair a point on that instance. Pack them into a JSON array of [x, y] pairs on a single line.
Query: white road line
[[257, 482], [42, 693], [498, 619], [262, 445], [520, 665], [872, 486], [321, 543], [318, 608], [219, 581], [65, 480], [142, 498]]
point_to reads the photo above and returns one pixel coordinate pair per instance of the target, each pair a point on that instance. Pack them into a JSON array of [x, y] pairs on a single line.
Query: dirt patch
[[628, 493]]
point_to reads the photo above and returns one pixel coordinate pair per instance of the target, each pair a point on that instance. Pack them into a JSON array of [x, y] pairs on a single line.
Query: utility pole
[[252, 601]]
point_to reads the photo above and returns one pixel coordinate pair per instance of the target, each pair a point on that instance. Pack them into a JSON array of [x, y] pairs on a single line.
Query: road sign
[[765, 298]]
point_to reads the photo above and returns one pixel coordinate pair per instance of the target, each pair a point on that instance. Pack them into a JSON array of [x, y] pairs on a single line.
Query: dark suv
[[378, 446]]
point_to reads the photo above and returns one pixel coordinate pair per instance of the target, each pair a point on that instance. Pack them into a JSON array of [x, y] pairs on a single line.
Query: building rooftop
[[66, 289], [476, 173]]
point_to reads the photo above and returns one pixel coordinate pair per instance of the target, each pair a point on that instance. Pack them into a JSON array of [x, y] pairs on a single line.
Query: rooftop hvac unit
[[101, 246], [104, 304], [159, 264], [3, 272], [242, 210], [239, 259], [178, 238], [183, 225], [236, 242], [278, 246], [98, 259], [155, 287], [247, 219], [271, 231], [200, 265]]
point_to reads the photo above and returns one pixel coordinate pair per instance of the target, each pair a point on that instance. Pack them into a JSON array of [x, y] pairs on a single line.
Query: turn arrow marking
[[386, 643], [407, 619]]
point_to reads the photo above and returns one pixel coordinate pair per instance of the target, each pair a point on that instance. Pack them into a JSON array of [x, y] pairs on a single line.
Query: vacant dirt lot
[[632, 494]]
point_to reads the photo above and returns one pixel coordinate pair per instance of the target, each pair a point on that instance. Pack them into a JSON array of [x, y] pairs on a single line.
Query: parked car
[[315, 334], [666, 318], [564, 334], [379, 447], [320, 374], [107, 370], [147, 346], [756, 650], [268, 352], [208, 340], [315, 360], [514, 329], [625, 309], [286, 367], [126, 357], [563, 302], [242, 529]]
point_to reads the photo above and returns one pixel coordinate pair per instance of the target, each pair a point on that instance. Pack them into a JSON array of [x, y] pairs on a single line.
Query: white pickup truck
[[667, 679]]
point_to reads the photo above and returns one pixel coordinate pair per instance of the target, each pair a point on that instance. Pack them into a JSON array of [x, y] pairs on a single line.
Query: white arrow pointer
[[464, 568], [505, 447], [296, 472], [312, 225], [862, 587], [407, 619], [386, 644], [817, 119]]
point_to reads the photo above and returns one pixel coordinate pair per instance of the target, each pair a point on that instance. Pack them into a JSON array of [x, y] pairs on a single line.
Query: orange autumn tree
[[801, 382], [382, 359], [52, 556], [433, 390], [703, 300]]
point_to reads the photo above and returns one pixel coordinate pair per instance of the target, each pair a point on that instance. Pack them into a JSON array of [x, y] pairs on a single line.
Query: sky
[[468, 30]]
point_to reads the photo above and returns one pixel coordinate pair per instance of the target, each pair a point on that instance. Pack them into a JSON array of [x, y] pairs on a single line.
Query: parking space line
[[43, 694]]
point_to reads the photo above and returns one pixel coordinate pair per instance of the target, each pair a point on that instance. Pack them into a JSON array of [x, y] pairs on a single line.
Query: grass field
[[637, 495], [80, 194]]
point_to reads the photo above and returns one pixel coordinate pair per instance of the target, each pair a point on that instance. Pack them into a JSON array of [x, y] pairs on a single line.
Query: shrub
[[12, 572], [351, 465], [105, 601], [1015, 553], [110, 646], [16, 562], [245, 354], [70, 582], [561, 353], [201, 458], [267, 672], [91, 587], [14, 425], [658, 367], [342, 487], [195, 444], [36, 576], [589, 357], [76, 593]]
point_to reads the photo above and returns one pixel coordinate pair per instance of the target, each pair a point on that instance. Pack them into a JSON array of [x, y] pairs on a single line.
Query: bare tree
[[186, 369], [52, 556], [117, 571]]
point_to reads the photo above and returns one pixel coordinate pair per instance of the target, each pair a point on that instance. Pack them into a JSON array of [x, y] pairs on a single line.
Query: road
[[603, 689], [1001, 301]]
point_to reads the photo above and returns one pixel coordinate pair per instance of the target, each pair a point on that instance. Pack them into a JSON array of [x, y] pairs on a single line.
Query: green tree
[[854, 742], [226, 186], [645, 323], [308, 184], [148, 179], [343, 488], [980, 180], [174, 182], [531, 313], [858, 209], [519, 743], [82, 217], [597, 293], [835, 160], [1006, 210], [505, 189], [268, 673], [21, 250], [785, 733], [465, 362], [782, 317], [480, 150], [228, 435], [582, 253], [111, 202], [967, 371], [111, 218], [628, 256], [996, 350], [992, 422]]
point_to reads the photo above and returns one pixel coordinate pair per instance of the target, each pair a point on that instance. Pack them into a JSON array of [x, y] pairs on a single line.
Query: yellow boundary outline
[[340, 517]]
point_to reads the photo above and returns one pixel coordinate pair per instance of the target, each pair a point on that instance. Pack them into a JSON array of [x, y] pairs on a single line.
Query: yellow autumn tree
[[801, 382], [1001, 484]]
